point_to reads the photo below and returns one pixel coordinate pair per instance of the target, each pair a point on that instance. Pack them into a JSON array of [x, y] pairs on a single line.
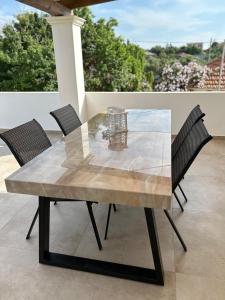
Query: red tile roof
[[212, 83]]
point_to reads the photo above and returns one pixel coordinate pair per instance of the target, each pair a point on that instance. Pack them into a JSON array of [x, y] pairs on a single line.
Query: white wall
[[212, 103], [18, 107]]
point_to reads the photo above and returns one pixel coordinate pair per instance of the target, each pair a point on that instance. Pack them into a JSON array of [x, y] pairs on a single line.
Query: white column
[[69, 61]]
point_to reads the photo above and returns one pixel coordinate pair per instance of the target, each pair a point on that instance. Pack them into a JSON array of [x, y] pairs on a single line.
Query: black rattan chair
[[195, 115], [192, 145], [197, 138], [28, 141], [67, 119]]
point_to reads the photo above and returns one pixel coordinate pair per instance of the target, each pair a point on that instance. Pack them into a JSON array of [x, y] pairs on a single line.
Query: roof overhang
[[60, 7]]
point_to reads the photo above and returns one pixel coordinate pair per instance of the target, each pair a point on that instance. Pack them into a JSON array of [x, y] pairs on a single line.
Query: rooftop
[[212, 83]]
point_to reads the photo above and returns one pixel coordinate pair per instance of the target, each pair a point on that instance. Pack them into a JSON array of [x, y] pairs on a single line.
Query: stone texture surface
[[87, 166]]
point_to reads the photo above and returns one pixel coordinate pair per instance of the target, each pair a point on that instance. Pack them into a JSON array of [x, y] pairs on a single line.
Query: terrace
[[197, 274]]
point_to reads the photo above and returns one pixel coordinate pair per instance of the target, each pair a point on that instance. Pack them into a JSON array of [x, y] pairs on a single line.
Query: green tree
[[109, 63], [27, 56], [191, 49], [215, 50]]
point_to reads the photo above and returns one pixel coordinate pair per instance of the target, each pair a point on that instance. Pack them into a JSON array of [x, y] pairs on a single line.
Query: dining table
[[130, 168]]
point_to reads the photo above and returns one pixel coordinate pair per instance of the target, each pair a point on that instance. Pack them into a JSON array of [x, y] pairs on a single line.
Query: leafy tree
[[158, 50], [151, 79], [109, 63], [215, 50], [155, 64], [26, 55], [191, 49]]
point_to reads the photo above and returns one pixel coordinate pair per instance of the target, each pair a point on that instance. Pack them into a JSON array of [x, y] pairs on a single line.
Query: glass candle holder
[[118, 141], [117, 120]]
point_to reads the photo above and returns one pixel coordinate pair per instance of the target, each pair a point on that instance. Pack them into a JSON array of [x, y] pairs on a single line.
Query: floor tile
[[200, 198], [198, 274], [203, 233], [199, 288], [128, 234]]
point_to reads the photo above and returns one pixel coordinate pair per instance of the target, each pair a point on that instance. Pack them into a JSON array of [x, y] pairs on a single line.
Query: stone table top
[[131, 168]]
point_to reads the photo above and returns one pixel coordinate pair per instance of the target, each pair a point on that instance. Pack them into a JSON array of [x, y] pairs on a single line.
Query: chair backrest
[[67, 119], [195, 115], [26, 141], [194, 142]]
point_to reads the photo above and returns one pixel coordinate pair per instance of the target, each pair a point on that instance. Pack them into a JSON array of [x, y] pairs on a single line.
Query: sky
[[151, 22]]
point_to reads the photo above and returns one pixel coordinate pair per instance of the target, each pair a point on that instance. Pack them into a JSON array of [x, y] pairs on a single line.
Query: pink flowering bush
[[177, 77]]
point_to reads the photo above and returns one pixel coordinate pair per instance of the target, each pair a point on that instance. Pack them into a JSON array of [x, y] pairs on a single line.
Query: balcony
[[197, 274]]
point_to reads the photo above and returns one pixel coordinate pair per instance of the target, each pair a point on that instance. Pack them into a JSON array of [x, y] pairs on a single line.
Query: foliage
[[110, 64], [215, 51], [26, 55], [159, 57], [177, 77], [191, 49]]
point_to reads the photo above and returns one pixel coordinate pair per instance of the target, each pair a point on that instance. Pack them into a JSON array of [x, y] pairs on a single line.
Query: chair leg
[[32, 224], [55, 203], [89, 206], [185, 197], [114, 207], [176, 230], [181, 207], [107, 224]]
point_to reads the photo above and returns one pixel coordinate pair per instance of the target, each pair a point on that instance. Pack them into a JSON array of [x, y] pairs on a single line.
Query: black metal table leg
[[154, 241], [44, 228], [154, 276], [32, 224]]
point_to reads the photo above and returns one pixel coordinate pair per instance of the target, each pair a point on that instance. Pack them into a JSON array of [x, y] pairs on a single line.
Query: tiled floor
[[198, 274]]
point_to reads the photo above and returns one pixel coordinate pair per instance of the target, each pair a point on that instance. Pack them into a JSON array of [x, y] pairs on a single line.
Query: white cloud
[[20, 8], [169, 20], [4, 19]]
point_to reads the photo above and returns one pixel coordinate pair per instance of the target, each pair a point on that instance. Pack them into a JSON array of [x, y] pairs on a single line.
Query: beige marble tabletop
[[132, 168]]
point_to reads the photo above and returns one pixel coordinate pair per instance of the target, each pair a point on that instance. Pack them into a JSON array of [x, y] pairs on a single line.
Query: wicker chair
[[67, 119], [190, 148], [28, 141], [197, 138], [195, 115]]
